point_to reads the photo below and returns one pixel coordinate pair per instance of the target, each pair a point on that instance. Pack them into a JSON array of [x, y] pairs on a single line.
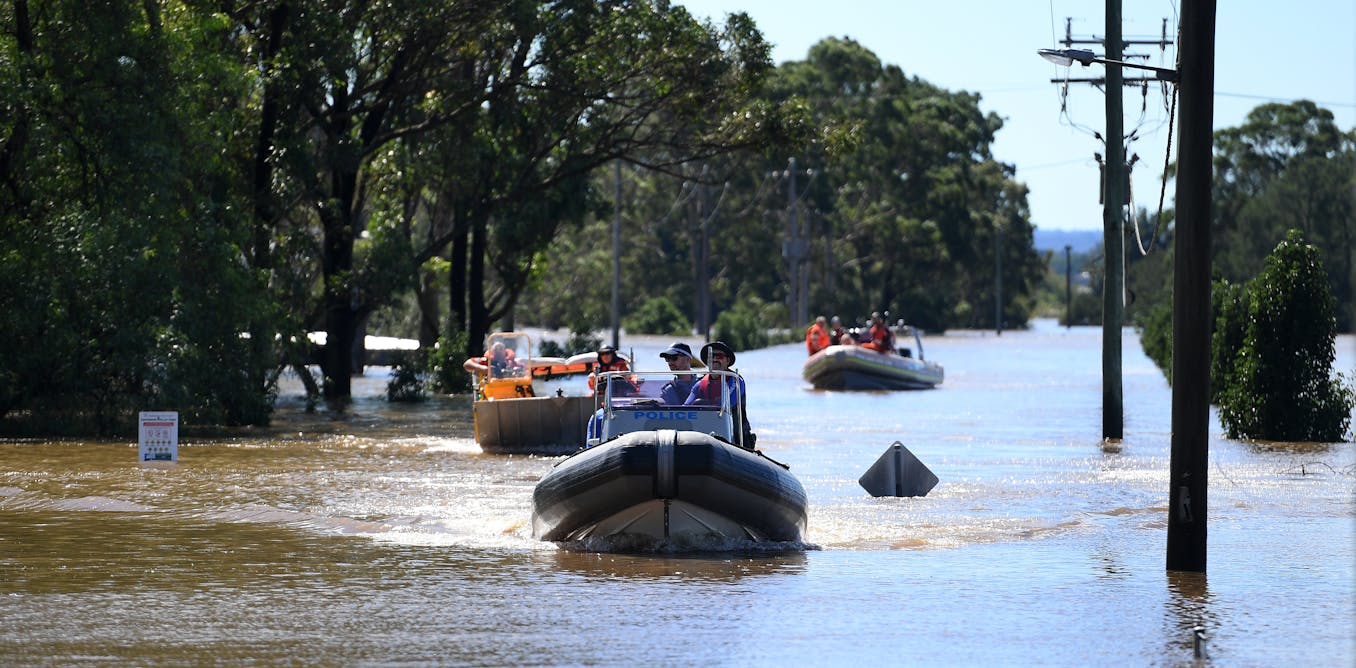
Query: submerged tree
[[1280, 386]]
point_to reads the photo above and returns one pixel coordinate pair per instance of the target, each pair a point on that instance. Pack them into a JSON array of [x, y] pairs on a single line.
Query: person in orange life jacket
[[836, 331], [817, 335], [608, 360], [720, 357], [881, 338], [497, 362]]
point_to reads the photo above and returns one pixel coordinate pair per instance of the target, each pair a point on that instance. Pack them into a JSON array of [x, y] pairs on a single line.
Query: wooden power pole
[[1113, 235], [1189, 465]]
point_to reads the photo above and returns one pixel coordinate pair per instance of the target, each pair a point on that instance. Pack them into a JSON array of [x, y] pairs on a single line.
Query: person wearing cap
[[679, 358], [720, 357], [817, 335], [608, 360]]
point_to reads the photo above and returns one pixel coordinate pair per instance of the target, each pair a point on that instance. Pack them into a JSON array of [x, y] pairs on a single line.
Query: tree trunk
[[477, 314]]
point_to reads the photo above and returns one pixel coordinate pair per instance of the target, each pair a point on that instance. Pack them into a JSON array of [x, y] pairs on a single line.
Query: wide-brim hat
[[720, 346]]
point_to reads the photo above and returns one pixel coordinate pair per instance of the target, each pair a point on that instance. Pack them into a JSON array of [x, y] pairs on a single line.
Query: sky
[[1265, 51]]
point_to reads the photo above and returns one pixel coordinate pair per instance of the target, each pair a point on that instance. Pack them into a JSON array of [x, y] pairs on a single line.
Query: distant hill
[[1082, 241]]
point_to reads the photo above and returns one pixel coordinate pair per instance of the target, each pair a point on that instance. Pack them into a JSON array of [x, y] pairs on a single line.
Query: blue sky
[[1264, 51]]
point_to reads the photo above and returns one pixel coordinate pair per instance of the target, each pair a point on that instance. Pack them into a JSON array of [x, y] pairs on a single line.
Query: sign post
[[158, 438]]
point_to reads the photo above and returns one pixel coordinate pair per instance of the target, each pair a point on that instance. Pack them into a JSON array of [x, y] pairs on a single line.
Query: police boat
[[657, 471]]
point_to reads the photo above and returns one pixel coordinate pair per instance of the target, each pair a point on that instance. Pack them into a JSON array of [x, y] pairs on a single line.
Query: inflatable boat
[[854, 367], [667, 473]]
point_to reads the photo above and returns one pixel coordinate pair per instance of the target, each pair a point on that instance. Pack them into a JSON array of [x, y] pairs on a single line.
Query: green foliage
[[448, 376], [1229, 307], [579, 342], [743, 327], [1156, 337], [658, 316], [121, 226], [407, 384], [1280, 386], [582, 341], [1288, 166]]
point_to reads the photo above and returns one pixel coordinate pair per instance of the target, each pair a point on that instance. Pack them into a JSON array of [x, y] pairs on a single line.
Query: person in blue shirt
[[720, 357], [679, 358]]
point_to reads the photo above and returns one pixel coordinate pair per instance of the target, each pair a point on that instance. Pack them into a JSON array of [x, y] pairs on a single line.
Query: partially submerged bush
[[407, 379], [1280, 384]]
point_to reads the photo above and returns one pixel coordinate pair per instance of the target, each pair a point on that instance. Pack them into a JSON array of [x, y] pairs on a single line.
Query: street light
[[1066, 57]]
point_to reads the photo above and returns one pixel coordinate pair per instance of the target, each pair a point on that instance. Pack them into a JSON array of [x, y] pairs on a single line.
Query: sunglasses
[[719, 356], [670, 357]]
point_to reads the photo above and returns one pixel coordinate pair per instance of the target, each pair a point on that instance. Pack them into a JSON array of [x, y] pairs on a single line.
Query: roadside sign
[[898, 472], [158, 438]]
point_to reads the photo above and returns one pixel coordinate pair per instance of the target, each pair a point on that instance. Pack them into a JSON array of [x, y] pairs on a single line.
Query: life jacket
[[816, 339], [617, 364], [709, 392], [882, 340]]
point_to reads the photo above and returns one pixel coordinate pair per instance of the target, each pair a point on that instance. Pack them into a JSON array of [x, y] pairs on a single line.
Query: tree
[[913, 205], [1280, 386], [1287, 167], [573, 87], [121, 238]]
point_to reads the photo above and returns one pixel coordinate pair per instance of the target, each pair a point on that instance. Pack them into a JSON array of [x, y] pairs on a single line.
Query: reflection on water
[[381, 534]]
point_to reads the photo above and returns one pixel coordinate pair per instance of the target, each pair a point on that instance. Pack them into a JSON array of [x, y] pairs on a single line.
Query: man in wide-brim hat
[[719, 356]]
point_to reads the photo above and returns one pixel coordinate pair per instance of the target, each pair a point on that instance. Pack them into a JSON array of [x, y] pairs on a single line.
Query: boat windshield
[[625, 389], [649, 401], [508, 355]]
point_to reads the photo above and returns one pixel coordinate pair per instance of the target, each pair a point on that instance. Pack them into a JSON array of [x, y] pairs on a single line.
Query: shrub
[[1156, 338], [1281, 385], [407, 379], [742, 329], [1229, 303], [448, 376], [579, 342], [658, 316]]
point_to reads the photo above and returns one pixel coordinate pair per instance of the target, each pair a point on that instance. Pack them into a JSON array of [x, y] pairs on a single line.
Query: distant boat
[[532, 405], [660, 474], [852, 367]]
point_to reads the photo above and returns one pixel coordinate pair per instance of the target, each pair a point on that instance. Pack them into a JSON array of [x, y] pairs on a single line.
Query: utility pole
[[1113, 237], [998, 279], [1068, 286], [794, 251], [1113, 211], [1189, 467], [616, 254]]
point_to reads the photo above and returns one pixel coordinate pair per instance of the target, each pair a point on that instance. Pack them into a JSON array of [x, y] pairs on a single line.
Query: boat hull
[[532, 425], [666, 485], [859, 368]]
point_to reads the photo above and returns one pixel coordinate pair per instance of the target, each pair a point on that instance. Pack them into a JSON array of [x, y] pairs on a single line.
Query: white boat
[[855, 367], [660, 473]]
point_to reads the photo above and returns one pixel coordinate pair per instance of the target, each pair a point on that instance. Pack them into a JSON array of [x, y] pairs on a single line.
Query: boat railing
[[636, 401]]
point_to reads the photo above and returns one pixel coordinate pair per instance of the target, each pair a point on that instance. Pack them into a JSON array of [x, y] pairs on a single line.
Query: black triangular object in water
[[898, 473]]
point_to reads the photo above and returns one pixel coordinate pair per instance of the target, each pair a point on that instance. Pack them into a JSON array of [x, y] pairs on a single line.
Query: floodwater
[[384, 536]]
